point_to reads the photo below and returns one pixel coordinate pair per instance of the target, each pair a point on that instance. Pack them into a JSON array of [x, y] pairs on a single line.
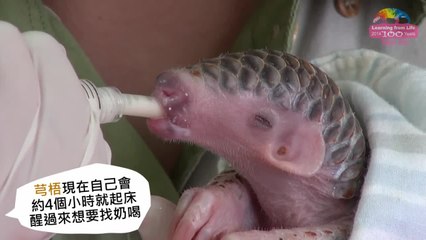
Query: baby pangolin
[[284, 126]]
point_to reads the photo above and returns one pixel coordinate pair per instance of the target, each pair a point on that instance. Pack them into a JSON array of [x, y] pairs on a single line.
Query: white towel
[[389, 98]]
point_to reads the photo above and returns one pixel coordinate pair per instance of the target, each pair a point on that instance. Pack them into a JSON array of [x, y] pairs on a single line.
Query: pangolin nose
[[172, 92]]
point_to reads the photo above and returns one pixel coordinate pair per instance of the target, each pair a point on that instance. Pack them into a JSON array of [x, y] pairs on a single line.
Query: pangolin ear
[[300, 151]]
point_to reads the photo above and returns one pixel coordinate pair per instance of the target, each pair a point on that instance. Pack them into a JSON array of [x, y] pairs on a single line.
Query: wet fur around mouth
[[174, 99]]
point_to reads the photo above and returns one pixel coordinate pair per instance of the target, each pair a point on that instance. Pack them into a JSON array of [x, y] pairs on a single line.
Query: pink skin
[[283, 186]]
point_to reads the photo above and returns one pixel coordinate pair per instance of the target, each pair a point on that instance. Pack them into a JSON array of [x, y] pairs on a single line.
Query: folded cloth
[[389, 99]]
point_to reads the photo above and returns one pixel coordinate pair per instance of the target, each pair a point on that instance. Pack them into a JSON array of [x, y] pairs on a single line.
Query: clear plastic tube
[[113, 104]]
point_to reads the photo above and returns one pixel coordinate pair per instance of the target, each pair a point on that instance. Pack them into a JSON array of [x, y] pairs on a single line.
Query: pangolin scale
[[297, 85]]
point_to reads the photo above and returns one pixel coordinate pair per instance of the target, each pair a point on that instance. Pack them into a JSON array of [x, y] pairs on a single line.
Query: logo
[[392, 26]]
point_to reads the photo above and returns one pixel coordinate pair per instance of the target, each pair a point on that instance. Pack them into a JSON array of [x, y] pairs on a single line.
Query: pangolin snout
[[173, 96]]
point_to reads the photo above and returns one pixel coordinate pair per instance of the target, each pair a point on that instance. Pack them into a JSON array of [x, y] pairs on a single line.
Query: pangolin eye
[[262, 121]]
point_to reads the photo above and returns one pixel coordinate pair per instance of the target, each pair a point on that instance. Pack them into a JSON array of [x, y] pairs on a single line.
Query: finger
[[19, 96], [181, 207], [208, 231], [157, 219], [205, 233], [65, 117], [195, 217], [185, 200], [19, 104]]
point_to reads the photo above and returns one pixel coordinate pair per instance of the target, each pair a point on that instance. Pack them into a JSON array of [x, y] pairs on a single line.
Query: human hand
[[46, 123]]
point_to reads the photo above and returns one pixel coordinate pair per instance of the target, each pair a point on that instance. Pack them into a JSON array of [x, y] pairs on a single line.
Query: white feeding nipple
[[113, 104]]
